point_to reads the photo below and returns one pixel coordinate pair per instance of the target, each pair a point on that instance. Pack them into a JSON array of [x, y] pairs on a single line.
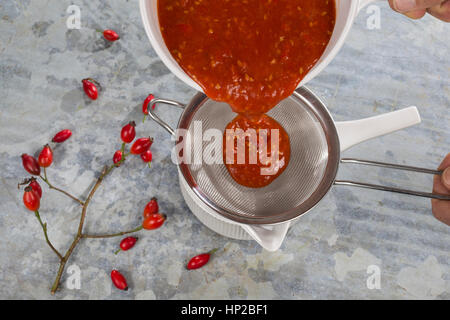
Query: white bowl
[[346, 11]]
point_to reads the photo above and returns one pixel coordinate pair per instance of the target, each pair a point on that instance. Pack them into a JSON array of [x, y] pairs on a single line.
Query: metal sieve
[[315, 158]]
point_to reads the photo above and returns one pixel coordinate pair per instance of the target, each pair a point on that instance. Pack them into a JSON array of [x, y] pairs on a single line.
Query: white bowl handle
[[270, 237], [354, 132], [363, 3]]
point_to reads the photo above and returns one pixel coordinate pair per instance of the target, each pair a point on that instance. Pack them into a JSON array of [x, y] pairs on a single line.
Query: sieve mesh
[[308, 170]]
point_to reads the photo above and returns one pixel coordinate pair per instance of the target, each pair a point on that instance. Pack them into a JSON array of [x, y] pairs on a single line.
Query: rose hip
[[147, 156], [152, 207], [117, 157], [62, 136], [119, 280], [141, 145], [154, 221], [111, 35], [147, 100], [36, 187], [31, 164], [90, 88], [31, 199], [128, 132], [126, 244], [45, 158], [200, 260]]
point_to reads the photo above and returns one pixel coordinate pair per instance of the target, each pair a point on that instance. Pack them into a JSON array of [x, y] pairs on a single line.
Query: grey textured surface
[[325, 256]]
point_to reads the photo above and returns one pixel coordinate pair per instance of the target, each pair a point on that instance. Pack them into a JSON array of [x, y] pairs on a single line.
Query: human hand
[[416, 9], [441, 185]]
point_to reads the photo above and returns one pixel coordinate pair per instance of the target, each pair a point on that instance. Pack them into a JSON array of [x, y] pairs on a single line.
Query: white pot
[[271, 236], [346, 10]]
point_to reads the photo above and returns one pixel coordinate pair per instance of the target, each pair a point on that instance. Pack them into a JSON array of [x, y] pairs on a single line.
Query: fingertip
[[416, 14], [446, 178], [392, 5], [441, 211], [445, 163], [442, 11], [403, 5]]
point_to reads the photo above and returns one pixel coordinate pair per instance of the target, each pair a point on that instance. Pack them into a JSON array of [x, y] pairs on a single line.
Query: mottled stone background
[[325, 256]]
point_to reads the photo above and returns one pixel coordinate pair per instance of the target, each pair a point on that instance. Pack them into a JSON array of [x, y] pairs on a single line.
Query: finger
[[413, 14], [441, 11], [445, 163], [438, 186], [404, 6], [416, 14], [446, 178], [441, 210], [438, 182]]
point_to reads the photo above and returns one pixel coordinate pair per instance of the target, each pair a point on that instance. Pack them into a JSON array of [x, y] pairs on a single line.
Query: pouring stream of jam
[[250, 54]]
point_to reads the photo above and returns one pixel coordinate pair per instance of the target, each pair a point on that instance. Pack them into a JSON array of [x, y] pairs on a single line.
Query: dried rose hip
[[128, 132], [154, 221], [31, 164], [111, 35], [62, 136], [31, 199], [152, 207], [90, 88], [200, 260], [45, 158], [141, 145], [119, 280], [127, 243]]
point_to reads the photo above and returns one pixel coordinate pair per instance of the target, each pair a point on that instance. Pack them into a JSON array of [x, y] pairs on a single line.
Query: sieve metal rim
[[325, 119]]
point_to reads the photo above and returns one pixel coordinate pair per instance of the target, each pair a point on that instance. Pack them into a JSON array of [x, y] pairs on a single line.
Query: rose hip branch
[[33, 191]]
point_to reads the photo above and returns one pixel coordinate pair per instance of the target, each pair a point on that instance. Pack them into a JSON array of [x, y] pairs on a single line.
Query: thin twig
[[63, 264], [78, 236], [106, 170], [45, 179], [44, 228], [93, 236]]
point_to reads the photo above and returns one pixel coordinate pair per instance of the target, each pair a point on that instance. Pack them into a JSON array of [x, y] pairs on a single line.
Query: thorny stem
[[44, 228], [45, 179], [106, 170]]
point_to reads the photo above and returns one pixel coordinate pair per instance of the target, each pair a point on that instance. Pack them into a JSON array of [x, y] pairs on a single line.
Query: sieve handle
[[357, 131], [391, 189], [161, 122]]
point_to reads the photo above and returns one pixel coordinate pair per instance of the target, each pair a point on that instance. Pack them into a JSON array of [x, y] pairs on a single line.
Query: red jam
[[265, 166]]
